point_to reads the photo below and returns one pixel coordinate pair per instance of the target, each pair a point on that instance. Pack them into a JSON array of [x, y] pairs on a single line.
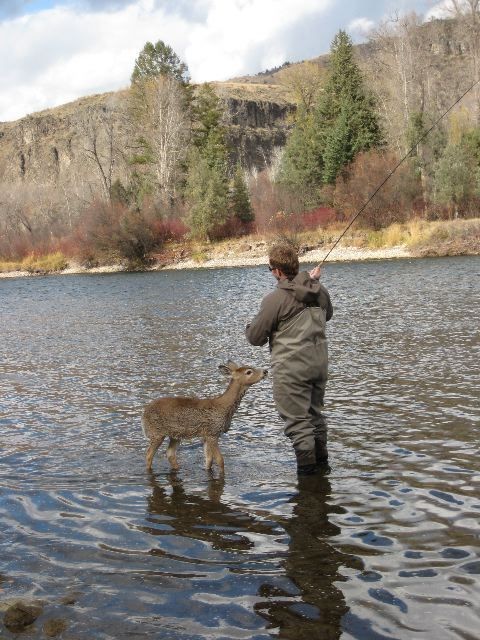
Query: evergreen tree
[[455, 178], [207, 116], [207, 180], [345, 115], [338, 146], [159, 59], [207, 196], [240, 198], [471, 142], [342, 124], [302, 163]]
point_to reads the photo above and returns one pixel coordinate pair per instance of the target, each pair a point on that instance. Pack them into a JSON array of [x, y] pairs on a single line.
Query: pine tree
[[207, 180], [342, 124], [207, 116], [455, 178], [337, 150], [345, 116], [207, 196], [159, 59], [302, 162], [240, 198]]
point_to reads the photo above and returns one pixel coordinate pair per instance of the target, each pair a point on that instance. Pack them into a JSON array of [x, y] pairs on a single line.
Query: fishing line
[[422, 137]]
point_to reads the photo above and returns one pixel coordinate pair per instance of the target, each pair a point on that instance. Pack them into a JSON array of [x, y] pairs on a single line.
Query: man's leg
[[293, 401], [319, 422]]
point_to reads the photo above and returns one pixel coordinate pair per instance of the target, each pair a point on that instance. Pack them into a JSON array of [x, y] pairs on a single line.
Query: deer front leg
[[219, 459], [172, 453], [212, 452]]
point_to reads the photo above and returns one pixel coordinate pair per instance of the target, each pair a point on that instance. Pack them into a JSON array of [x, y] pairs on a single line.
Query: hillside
[[49, 147]]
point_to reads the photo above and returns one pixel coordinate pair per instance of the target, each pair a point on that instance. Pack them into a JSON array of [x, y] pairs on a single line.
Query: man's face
[[276, 273]]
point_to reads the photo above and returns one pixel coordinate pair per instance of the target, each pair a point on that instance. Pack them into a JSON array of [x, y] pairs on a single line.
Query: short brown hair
[[284, 256]]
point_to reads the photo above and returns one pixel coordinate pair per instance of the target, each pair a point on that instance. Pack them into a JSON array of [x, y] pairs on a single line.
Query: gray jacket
[[289, 299]]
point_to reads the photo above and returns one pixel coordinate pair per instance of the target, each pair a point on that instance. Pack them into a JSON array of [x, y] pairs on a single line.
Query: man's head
[[283, 257]]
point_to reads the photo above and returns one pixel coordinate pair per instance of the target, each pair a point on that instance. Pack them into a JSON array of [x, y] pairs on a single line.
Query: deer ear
[[232, 365], [224, 369]]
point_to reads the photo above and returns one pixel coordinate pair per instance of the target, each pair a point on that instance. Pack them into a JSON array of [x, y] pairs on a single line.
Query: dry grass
[[423, 237], [50, 263], [252, 91]]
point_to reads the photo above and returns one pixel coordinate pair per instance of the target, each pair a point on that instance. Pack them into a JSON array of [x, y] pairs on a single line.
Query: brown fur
[[178, 418]]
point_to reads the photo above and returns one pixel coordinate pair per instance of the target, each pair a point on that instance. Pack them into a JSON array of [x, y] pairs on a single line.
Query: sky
[[55, 51]]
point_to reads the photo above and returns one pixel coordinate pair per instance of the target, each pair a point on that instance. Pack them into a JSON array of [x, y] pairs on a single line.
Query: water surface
[[385, 545]]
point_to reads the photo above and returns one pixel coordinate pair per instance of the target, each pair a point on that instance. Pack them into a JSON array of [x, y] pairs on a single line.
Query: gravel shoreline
[[314, 256], [245, 259]]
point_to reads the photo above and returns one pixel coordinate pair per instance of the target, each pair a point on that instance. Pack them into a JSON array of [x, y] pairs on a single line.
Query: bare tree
[[31, 216], [399, 74], [304, 82], [102, 128], [467, 15], [162, 128]]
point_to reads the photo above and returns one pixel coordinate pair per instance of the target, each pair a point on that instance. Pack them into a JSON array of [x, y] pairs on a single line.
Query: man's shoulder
[[275, 296]]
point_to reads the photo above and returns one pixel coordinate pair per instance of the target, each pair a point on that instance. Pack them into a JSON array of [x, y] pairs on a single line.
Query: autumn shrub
[[395, 201], [111, 231], [231, 228], [168, 230], [267, 198]]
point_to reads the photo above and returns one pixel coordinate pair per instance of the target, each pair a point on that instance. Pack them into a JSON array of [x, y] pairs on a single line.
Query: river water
[[384, 545]]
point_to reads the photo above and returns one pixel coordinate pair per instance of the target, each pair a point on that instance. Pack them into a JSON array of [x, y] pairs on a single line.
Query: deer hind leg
[[151, 451], [172, 453], [212, 452]]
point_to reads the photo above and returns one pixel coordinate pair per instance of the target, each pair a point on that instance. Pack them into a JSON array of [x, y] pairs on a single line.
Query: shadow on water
[[295, 590]]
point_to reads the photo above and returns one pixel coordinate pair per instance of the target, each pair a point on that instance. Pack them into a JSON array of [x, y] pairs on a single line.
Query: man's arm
[[259, 330], [315, 275], [329, 308]]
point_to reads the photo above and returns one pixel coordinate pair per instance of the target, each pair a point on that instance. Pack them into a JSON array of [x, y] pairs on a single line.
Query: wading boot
[[321, 454], [305, 463], [306, 469]]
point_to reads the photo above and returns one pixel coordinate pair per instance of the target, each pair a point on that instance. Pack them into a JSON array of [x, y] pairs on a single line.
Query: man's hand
[[315, 273]]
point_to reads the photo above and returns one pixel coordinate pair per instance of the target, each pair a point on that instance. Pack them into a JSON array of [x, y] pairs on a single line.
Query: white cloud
[[63, 53], [439, 10], [360, 27], [236, 32]]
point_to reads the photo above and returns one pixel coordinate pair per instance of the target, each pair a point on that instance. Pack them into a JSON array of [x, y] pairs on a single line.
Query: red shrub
[[169, 229]]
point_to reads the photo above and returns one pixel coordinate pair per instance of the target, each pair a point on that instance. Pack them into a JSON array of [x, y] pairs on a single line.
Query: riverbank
[[415, 239], [243, 258]]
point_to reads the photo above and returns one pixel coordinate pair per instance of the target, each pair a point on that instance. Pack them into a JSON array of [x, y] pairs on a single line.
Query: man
[[292, 318]]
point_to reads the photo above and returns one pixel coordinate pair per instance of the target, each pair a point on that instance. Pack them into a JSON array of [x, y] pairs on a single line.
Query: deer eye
[[248, 372]]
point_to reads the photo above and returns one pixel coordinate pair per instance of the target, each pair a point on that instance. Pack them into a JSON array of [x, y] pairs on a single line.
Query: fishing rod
[[422, 137]]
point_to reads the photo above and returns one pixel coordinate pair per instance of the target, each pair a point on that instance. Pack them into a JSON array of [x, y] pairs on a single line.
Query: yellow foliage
[[46, 264]]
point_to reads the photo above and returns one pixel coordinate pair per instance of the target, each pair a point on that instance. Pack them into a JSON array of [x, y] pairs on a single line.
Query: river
[[384, 545]]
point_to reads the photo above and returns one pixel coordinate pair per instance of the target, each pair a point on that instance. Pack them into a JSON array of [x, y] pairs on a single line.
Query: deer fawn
[[205, 418]]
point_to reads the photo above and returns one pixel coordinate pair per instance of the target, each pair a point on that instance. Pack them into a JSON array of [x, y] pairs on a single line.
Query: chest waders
[[300, 363]]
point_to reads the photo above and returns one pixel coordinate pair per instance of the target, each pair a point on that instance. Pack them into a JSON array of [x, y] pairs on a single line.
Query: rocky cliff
[[65, 146]]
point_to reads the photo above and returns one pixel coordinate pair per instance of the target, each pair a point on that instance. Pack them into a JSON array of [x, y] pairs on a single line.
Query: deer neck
[[232, 396]]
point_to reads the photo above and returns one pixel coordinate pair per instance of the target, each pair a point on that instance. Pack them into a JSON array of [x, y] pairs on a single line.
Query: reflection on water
[[383, 546]]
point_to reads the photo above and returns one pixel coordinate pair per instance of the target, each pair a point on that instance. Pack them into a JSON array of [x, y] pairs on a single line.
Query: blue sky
[[60, 50]]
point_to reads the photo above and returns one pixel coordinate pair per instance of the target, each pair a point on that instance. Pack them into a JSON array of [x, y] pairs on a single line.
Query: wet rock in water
[[21, 615], [54, 627], [70, 598]]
